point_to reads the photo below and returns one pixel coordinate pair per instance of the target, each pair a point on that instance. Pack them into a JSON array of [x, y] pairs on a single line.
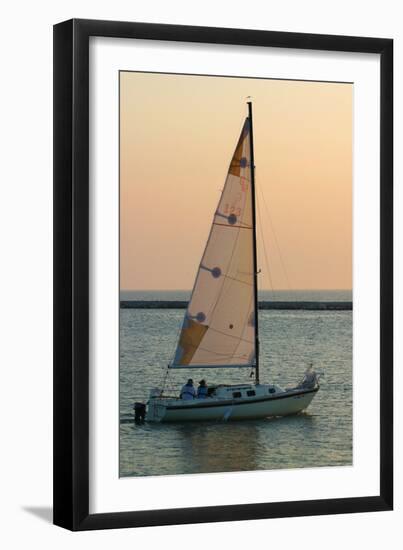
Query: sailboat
[[221, 326]]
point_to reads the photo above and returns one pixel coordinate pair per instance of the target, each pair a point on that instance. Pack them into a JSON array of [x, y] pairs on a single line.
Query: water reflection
[[222, 447], [191, 448]]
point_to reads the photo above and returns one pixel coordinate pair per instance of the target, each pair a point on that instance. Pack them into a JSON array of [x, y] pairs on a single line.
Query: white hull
[[282, 403]]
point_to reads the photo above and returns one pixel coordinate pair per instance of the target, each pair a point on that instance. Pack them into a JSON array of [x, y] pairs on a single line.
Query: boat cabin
[[242, 391]]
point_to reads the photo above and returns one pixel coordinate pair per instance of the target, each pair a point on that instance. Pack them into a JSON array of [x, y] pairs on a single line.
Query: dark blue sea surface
[[290, 341]]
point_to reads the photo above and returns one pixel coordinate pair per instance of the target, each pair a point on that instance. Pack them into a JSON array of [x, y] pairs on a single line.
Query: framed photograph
[[223, 274]]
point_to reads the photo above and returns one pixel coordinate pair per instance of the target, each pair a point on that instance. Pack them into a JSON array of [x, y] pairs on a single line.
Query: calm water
[[279, 295], [290, 340]]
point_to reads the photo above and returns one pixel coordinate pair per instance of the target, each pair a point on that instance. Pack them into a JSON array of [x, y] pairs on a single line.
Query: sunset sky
[[177, 137]]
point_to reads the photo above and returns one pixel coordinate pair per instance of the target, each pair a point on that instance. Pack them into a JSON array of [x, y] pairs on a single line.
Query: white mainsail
[[219, 324]]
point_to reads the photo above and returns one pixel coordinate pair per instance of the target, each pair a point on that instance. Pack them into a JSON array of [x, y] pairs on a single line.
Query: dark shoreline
[[182, 304]]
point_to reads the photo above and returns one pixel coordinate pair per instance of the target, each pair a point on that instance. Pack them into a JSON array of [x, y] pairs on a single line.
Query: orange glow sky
[[177, 137]]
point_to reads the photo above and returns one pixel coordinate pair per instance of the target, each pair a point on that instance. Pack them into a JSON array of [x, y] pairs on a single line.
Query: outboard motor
[[139, 412]]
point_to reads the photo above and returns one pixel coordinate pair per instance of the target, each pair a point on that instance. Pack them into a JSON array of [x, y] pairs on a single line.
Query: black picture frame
[[72, 285]]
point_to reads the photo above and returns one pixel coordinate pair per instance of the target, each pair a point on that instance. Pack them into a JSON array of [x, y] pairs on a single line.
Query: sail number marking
[[244, 184]]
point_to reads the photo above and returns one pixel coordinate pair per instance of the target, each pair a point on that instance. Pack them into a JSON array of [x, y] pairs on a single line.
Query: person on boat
[[188, 391], [202, 390]]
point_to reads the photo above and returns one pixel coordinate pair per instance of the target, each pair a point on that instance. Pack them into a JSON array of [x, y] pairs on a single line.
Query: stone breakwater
[[182, 304]]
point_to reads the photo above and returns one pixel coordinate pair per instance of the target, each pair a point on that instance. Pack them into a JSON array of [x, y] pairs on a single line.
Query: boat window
[[236, 394], [250, 393], [272, 390]]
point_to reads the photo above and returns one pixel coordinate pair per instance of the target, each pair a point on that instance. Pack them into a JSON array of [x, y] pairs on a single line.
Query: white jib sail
[[219, 324]]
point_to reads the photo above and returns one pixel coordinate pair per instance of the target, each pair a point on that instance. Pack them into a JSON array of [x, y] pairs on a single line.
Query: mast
[[252, 171]]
